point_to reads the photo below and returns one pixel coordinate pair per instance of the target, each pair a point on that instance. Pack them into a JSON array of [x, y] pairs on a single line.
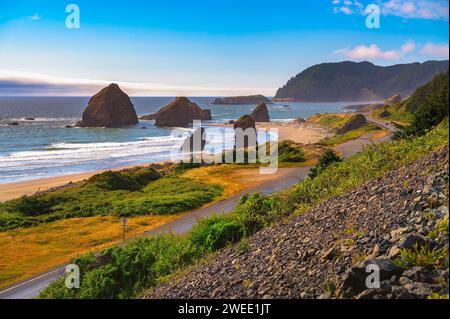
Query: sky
[[204, 48]]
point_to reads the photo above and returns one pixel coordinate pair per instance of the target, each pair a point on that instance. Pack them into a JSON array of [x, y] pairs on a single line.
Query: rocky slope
[[110, 107], [323, 253], [362, 81]]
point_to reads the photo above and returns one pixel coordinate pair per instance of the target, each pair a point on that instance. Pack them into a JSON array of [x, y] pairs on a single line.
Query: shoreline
[[286, 130]]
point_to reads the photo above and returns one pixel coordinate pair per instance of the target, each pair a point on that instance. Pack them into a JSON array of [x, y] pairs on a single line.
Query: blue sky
[[204, 47]]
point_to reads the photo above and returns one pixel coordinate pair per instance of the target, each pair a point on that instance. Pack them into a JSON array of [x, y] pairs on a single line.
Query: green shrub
[[328, 158], [216, 232], [31, 205], [289, 151], [423, 256], [432, 108], [100, 283], [254, 212]]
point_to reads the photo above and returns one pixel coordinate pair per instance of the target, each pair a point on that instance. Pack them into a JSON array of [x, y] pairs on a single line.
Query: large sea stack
[[110, 107], [180, 112], [260, 113]]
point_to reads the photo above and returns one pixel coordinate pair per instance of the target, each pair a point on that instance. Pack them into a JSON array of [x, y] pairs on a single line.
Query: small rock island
[[242, 100]]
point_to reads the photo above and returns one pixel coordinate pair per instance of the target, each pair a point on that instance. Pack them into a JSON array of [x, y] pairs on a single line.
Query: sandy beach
[[300, 133]]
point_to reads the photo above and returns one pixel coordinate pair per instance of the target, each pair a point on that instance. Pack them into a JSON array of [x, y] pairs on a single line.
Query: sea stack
[[247, 125], [180, 112], [110, 108], [242, 100], [260, 113]]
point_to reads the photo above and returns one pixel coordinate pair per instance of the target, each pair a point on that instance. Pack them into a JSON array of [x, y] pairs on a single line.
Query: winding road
[[31, 288]]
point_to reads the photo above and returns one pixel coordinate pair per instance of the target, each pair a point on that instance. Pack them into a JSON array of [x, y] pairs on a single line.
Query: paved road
[[30, 288]]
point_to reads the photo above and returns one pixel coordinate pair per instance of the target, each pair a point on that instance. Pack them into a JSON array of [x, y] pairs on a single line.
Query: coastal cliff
[[358, 81]]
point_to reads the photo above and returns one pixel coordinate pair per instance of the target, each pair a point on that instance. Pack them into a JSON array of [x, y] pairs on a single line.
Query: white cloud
[[408, 47], [41, 84], [408, 9], [417, 9], [35, 17], [362, 52], [374, 52], [436, 50], [346, 10]]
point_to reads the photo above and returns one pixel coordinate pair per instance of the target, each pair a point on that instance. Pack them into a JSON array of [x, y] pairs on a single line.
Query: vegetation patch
[[139, 191], [351, 135], [330, 121]]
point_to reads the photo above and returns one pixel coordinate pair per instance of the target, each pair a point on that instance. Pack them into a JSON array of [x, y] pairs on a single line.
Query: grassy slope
[[398, 113], [334, 121], [330, 121], [351, 135], [166, 255], [402, 112]]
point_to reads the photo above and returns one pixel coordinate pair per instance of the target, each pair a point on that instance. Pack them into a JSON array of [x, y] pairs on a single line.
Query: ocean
[[44, 147]]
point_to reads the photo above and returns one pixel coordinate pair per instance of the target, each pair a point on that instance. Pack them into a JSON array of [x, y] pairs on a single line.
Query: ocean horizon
[[44, 147]]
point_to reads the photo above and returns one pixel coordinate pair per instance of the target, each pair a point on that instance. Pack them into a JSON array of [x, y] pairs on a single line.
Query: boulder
[[355, 122], [260, 113], [355, 278], [180, 112], [110, 107], [13, 123], [393, 99], [30, 119]]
